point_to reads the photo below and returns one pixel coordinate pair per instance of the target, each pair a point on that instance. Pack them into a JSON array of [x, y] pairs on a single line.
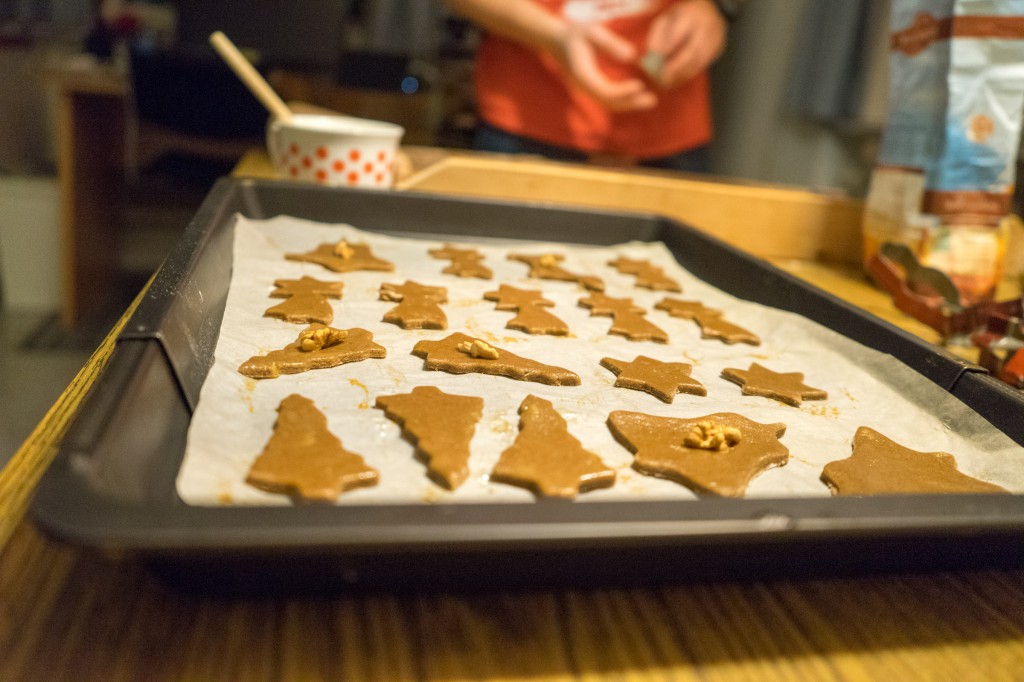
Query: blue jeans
[[491, 139]]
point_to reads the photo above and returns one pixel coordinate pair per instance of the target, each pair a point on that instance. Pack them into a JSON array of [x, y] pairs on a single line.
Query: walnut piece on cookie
[[547, 459], [530, 304], [418, 306], [711, 321], [661, 379], [880, 466], [464, 262], [787, 387], [547, 266], [316, 347], [457, 354], [304, 460], [343, 256], [627, 319], [648, 275], [659, 446], [440, 425], [306, 300]]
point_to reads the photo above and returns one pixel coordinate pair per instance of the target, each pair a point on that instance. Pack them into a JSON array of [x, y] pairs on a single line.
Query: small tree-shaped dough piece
[[306, 300], [627, 319], [418, 305], [343, 256], [464, 262], [441, 427], [881, 466], [712, 324], [462, 354], [317, 347], [547, 459], [546, 266], [304, 459], [648, 275], [661, 379], [718, 454], [787, 387], [532, 317]]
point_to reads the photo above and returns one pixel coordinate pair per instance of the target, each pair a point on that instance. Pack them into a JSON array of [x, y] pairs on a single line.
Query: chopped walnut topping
[[343, 250], [318, 339], [478, 349], [549, 260], [708, 436]]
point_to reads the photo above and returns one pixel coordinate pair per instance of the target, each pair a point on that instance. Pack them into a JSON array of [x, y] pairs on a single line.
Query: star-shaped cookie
[[881, 466], [661, 379], [546, 458], [659, 445], [304, 459], [787, 387]]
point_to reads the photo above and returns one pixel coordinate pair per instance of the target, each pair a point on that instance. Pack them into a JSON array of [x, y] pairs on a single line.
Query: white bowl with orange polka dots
[[334, 150]]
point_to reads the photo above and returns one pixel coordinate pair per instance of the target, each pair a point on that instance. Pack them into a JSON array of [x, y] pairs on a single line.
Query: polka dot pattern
[[337, 164]]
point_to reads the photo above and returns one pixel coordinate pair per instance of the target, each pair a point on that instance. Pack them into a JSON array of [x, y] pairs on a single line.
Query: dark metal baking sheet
[[112, 485]]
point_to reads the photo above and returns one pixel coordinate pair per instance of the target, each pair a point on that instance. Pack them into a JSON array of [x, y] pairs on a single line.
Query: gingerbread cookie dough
[[712, 323], [317, 347], [418, 305], [464, 262], [627, 319], [441, 427], [546, 266], [306, 300], [661, 379], [787, 387], [304, 460], [648, 275], [532, 317], [343, 257], [718, 454], [881, 466], [462, 354], [547, 459]]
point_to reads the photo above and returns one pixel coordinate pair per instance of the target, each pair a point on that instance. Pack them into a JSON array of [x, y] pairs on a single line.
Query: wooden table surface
[[70, 614]]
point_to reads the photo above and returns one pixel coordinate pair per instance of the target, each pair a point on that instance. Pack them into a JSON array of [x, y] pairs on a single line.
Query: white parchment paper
[[235, 414]]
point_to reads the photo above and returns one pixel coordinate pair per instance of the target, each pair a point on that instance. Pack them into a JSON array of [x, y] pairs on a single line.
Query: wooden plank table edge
[[21, 475]]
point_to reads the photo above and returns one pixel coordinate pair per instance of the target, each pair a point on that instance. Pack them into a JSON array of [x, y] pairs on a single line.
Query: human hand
[[579, 49], [689, 36]]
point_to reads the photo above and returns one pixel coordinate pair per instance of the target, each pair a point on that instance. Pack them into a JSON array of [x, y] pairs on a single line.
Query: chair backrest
[[194, 92]]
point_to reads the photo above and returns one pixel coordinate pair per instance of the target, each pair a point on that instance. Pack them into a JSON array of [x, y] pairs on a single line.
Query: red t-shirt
[[527, 93]]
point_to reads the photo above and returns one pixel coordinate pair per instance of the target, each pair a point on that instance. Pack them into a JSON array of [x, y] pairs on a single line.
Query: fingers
[[611, 43], [581, 59], [690, 35], [615, 95]]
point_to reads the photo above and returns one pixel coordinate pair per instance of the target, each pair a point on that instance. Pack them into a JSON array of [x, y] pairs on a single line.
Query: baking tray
[[111, 486]]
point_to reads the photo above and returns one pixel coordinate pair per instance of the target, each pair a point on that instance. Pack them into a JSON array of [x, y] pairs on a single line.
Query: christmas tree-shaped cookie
[[306, 300], [546, 458], [440, 425], [462, 354], [418, 305], [343, 256], [304, 460], [530, 304], [627, 319]]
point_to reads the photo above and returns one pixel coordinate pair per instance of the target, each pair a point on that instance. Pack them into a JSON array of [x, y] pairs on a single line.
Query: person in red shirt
[[623, 81]]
